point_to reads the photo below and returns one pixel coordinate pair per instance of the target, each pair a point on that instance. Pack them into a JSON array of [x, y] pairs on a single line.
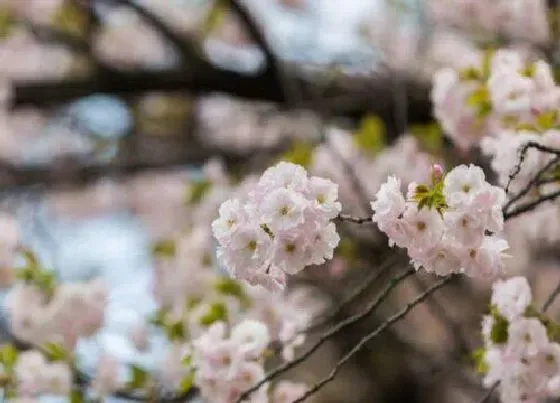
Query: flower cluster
[[41, 311], [520, 351], [444, 227], [282, 225], [226, 365], [34, 375], [495, 91]]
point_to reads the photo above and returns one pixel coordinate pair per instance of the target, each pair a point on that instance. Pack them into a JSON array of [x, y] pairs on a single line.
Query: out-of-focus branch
[[347, 97]]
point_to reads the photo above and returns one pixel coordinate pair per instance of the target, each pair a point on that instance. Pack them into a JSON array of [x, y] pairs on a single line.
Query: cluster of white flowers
[[282, 225], [492, 93], [35, 375], [519, 353], [520, 19], [73, 310], [228, 363], [444, 227]]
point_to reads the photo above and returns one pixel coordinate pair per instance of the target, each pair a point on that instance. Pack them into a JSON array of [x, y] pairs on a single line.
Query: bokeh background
[[116, 114]]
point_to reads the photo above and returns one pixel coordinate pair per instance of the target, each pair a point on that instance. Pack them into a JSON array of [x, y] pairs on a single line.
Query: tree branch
[[391, 320], [366, 283], [551, 298], [330, 333]]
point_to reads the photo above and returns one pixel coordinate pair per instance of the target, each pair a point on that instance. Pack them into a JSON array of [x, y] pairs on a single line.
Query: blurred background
[[117, 117]]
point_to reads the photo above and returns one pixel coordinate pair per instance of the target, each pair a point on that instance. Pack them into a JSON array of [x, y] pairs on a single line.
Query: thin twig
[[523, 153], [531, 206], [356, 220], [488, 395], [329, 334], [366, 339], [532, 182], [551, 298], [364, 285]]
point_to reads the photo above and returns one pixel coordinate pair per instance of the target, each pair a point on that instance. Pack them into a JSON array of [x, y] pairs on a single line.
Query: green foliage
[[431, 197], [547, 120], [186, 383], [479, 100], [347, 249], [164, 248], [6, 22], [214, 18], [175, 331], [159, 318], [8, 356], [371, 135], [197, 191], [217, 312], [55, 352], [70, 18], [228, 286], [499, 332], [32, 273], [77, 396], [139, 377], [479, 359], [300, 152], [429, 136]]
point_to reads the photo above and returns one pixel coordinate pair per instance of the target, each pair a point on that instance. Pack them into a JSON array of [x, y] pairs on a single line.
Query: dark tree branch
[[371, 279], [524, 208], [330, 333], [551, 298], [187, 49], [366, 339]]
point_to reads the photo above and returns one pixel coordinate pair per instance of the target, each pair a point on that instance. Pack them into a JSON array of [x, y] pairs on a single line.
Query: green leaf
[[430, 137], [31, 259], [470, 73], [229, 286], [71, 19], [371, 135], [217, 312], [8, 356], [139, 377], [499, 333], [175, 331], [347, 249], [547, 120], [55, 352], [7, 22], [76, 396], [300, 153], [479, 358], [214, 18], [164, 248], [478, 97], [186, 383], [197, 190], [159, 318], [487, 62]]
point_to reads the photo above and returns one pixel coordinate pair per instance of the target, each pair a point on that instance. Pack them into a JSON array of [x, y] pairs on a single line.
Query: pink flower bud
[[437, 172]]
